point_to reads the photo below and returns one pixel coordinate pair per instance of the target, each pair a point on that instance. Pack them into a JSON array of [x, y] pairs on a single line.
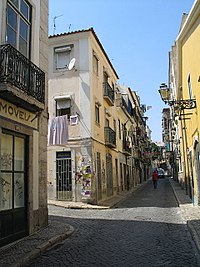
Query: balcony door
[[18, 28], [13, 187]]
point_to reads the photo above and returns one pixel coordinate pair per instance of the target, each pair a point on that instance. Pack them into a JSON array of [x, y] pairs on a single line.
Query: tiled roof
[[69, 33], [95, 36]]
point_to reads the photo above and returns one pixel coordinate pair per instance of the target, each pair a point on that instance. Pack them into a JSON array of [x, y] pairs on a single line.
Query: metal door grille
[[63, 179]]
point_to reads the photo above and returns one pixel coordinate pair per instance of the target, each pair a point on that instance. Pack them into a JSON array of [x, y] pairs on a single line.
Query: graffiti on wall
[[83, 176], [86, 183]]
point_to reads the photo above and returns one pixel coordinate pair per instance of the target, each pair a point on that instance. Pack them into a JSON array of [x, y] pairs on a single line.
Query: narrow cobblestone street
[[146, 229]]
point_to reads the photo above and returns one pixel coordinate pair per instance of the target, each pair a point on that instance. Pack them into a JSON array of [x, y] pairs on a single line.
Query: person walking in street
[[155, 178]]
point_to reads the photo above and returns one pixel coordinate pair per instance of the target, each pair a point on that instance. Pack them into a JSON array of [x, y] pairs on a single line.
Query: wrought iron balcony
[[126, 146], [19, 71], [108, 93], [110, 137]]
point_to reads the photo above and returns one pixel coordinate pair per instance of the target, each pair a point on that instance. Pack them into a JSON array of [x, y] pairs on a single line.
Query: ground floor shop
[[23, 208]]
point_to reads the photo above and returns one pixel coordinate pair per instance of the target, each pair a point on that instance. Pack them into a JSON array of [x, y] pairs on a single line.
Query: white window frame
[[20, 17], [61, 54], [63, 105]]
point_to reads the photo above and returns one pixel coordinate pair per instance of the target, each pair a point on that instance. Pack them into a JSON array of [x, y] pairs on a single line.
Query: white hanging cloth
[[58, 131]]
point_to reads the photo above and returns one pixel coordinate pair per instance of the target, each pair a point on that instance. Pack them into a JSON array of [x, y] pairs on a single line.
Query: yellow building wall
[[190, 62]]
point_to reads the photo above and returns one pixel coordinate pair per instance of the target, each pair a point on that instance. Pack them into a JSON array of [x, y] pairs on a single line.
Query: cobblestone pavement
[[146, 228]]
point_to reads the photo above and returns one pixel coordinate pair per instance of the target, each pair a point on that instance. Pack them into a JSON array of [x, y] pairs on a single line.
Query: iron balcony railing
[[108, 93], [19, 71], [110, 137], [126, 146]]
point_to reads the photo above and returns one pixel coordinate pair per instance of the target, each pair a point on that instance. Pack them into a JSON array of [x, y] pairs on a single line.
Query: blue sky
[[137, 35]]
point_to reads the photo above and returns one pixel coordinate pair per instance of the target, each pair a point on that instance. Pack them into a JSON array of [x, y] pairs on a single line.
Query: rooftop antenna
[[54, 23]]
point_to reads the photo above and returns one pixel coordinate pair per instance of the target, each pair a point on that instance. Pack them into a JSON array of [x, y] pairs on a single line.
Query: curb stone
[[43, 247]]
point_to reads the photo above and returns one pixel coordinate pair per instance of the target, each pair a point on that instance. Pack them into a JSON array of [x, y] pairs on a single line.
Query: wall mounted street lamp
[[180, 104]]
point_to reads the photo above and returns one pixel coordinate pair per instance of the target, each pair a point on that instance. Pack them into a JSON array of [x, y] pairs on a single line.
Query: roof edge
[[97, 40]]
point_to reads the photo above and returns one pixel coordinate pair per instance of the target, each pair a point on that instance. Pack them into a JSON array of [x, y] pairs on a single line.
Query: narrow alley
[[145, 229]]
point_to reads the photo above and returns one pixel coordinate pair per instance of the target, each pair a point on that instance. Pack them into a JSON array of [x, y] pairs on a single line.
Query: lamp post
[[180, 105]]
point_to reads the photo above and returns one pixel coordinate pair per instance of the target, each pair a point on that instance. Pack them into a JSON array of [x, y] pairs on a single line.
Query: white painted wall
[[85, 90]]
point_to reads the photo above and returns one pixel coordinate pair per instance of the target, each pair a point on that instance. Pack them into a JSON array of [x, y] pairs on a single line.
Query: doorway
[[13, 187], [63, 175], [109, 175]]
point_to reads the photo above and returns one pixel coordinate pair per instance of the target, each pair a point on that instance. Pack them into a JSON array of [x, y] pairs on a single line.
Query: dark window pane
[[15, 2], [12, 17], [24, 9], [23, 29], [11, 37], [23, 48], [64, 111]]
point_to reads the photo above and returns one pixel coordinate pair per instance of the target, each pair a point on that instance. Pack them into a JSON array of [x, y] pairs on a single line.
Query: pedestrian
[[155, 178]]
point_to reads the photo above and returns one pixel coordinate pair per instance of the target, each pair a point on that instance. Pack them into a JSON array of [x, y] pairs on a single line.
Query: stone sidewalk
[[190, 214], [23, 251]]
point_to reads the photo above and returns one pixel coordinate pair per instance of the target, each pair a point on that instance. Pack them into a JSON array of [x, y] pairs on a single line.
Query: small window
[[62, 57], [97, 116], [113, 86], [107, 123], [189, 86], [95, 65], [63, 107], [114, 124], [105, 77], [119, 123]]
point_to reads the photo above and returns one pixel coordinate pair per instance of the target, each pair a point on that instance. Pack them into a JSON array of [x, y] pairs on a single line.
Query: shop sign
[[17, 114]]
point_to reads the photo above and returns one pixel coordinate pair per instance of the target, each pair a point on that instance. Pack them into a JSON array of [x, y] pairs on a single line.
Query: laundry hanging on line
[[73, 120], [58, 130]]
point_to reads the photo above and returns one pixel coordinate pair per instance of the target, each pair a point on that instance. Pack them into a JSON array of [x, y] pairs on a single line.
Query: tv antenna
[[54, 23]]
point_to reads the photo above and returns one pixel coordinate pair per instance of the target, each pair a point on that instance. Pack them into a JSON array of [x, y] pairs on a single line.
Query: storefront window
[[6, 152], [5, 191], [19, 154], [12, 172], [19, 190]]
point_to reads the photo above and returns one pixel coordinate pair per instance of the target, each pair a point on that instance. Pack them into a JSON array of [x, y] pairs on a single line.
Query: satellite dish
[[71, 64]]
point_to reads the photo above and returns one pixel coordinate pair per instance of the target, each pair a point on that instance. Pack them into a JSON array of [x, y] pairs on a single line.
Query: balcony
[[21, 81], [110, 137], [126, 147], [108, 94]]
